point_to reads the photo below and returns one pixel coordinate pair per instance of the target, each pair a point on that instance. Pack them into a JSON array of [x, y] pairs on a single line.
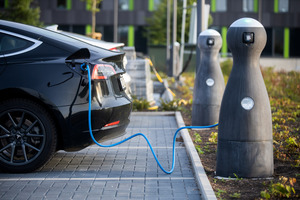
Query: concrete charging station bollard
[[245, 144], [209, 82]]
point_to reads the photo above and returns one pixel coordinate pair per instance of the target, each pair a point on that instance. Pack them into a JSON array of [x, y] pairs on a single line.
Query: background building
[[72, 15], [281, 19]]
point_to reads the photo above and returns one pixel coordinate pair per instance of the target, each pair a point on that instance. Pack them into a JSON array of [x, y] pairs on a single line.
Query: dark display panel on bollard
[[245, 143], [209, 82]]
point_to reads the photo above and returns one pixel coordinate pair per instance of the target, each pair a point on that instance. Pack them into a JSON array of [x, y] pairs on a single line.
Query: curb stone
[[201, 179], [204, 185]]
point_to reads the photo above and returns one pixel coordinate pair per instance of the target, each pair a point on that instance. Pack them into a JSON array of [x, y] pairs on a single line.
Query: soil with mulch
[[239, 188]]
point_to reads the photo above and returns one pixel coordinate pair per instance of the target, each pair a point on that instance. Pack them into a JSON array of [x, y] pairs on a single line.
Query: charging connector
[[85, 67]]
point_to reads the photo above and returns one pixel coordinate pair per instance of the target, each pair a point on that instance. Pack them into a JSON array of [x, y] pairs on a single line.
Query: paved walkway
[[127, 171]]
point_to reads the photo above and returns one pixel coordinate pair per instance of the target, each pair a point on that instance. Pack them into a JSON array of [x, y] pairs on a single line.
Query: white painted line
[[161, 128], [141, 147], [97, 179], [169, 113]]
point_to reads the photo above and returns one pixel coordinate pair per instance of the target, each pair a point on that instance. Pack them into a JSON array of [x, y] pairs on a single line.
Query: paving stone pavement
[[127, 171]]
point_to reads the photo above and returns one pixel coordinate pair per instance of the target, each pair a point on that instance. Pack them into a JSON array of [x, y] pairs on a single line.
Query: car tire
[[28, 136]]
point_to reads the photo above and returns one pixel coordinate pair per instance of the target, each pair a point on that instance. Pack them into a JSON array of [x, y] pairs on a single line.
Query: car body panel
[[44, 75], [92, 41]]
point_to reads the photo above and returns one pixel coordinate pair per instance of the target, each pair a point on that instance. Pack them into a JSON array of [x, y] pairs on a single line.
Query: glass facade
[[126, 35], [283, 5], [277, 42], [2, 3], [221, 5], [61, 4], [123, 4], [123, 34], [153, 4], [126, 5], [64, 4], [294, 42], [250, 5], [283, 33]]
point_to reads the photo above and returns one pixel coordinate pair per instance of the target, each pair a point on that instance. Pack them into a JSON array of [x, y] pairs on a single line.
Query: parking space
[[127, 171]]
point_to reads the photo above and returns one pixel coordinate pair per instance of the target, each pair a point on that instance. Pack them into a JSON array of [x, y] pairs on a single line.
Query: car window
[[40, 35], [10, 44]]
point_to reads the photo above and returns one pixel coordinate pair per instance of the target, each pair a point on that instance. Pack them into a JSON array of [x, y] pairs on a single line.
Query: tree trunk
[[93, 17]]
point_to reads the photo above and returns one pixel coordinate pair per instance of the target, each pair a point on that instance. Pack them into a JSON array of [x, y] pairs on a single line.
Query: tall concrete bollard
[[245, 144], [130, 53], [209, 83], [174, 63], [141, 83]]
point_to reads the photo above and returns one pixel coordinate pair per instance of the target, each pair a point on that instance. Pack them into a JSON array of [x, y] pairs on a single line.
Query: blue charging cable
[[85, 67]]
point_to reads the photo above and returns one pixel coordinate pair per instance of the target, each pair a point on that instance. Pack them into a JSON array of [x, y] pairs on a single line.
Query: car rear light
[[113, 49], [102, 71], [112, 123]]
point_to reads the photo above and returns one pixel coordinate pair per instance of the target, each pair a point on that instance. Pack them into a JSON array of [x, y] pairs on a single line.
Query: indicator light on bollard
[[248, 38], [210, 82], [210, 41], [247, 103]]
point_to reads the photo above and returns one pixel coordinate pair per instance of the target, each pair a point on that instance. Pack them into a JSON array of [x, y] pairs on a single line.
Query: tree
[[23, 12], [93, 6], [158, 22]]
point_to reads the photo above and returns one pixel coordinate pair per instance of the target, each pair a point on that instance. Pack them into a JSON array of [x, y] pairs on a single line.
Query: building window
[[123, 34], [283, 6], [4, 3], [126, 4], [268, 50], [126, 35], [218, 5], [89, 4], [1, 3], [221, 5], [294, 45], [250, 5], [153, 4], [64, 4], [278, 36], [11, 45]]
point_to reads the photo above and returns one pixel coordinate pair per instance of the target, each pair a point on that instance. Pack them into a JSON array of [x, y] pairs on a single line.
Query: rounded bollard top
[[246, 38], [246, 22], [210, 40], [210, 32]]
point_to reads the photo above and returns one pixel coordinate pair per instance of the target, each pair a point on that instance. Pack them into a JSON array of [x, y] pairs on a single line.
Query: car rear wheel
[[27, 136]]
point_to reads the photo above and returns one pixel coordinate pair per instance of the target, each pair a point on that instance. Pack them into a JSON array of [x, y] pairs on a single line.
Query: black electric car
[[44, 95]]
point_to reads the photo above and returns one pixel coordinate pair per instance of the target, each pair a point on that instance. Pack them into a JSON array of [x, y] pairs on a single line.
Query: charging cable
[[85, 67]]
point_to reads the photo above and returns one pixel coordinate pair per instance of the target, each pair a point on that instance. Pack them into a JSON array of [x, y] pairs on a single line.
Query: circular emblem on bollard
[[247, 103], [210, 82]]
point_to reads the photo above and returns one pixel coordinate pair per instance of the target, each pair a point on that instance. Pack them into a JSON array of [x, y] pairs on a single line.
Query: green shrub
[[226, 68], [283, 189], [139, 104]]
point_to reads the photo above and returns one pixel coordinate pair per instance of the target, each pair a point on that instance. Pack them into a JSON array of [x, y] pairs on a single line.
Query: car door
[[11, 46], [2, 58]]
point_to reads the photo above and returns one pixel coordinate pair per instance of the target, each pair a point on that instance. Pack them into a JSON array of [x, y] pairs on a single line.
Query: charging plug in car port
[[83, 67], [84, 70]]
